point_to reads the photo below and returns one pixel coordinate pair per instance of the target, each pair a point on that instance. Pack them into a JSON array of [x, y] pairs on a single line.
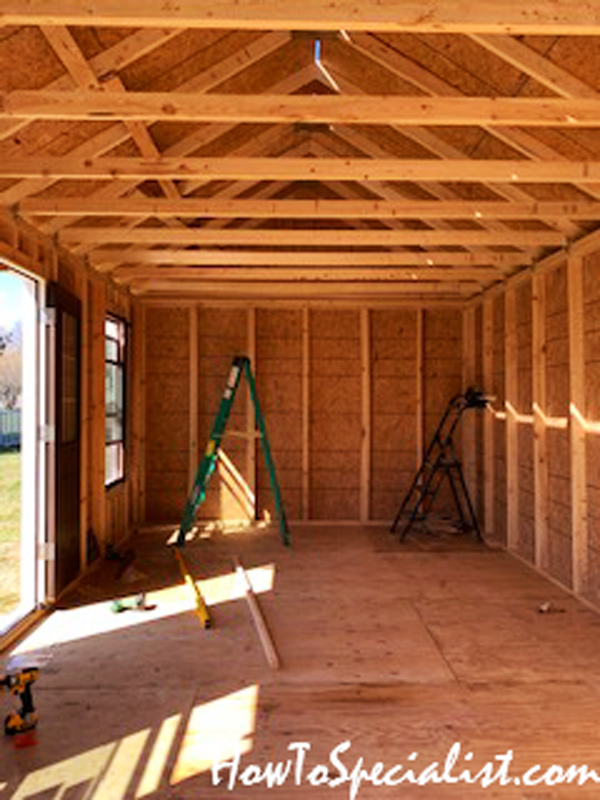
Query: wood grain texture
[[540, 17]]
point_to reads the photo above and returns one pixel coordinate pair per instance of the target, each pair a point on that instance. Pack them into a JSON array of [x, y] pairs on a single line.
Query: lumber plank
[[469, 430], [420, 389], [258, 619], [224, 208], [271, 109], [512, 433], [331, 290], [536, 65], [108, 258], [577, 431], [194, 445], [365, 411], [483, 274], [489, 419], [299, 169], [547, 17], [311, 238], [251, 472], [305, 413], [539, 399]]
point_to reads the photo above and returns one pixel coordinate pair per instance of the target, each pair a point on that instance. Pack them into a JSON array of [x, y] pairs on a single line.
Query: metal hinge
[[47, 434], [48, 316], [47, 551]]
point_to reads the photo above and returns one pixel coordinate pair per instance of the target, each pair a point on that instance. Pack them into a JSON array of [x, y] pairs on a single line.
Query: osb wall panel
[[442, 377], [393, 408], [335, 414], [526, 483], [558, 396], [167, 412], [279, 386], [498, 390], [222, 335], [592, 413]]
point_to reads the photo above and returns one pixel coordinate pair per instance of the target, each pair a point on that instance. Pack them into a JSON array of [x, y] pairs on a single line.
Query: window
[[115, 341]]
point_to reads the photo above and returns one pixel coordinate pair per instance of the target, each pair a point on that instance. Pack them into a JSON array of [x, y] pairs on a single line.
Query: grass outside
[[10, 523]]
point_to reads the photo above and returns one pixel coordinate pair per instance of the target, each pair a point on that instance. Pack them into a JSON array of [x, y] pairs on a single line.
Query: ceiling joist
[[313, 238], [548, 17], [302, 169], [316, 109], [287, 274], [106, 259], [216, 208]]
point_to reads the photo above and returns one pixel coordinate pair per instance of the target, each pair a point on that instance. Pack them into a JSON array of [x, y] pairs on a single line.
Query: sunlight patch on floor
[[215, 730], [74, 624]]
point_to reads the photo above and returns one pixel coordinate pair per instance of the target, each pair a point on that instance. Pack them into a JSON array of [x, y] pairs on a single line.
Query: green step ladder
[[239, 367]]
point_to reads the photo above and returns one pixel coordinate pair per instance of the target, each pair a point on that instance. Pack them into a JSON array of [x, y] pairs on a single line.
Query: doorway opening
[[21, 456]]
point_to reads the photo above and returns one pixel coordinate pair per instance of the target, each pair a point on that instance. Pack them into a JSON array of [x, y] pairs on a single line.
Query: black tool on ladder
[[441, 461], [239, 367]]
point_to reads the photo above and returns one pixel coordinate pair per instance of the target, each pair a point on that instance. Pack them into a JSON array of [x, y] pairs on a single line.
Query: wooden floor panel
[[398, 651]]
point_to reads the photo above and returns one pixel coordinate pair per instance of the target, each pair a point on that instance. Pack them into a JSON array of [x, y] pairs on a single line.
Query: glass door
[[21, 457]]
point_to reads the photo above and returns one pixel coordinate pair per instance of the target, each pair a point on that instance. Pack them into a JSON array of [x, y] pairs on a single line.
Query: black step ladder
[[441, 461]]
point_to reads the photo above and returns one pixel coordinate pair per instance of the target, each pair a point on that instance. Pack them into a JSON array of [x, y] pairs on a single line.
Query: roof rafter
[[67, 49], [115, 135], [537, 66], [399, 65]]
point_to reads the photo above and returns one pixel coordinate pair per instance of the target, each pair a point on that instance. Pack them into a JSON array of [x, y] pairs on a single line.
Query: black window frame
[[120, 363]]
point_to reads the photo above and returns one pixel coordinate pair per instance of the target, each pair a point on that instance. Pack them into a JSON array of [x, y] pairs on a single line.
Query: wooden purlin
[[330, 110], [546, 17], [313, 169], [358, 292], [218, 207], [308, 273], [312, 238], [106, 258]]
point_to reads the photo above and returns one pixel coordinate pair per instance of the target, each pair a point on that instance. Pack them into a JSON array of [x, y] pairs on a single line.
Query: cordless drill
[[19, 683]]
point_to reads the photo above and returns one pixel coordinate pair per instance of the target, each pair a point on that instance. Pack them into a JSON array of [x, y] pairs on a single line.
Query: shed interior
[[381, 205]]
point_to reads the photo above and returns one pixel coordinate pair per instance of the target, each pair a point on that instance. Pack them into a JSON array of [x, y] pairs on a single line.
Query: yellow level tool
[[201, 608]]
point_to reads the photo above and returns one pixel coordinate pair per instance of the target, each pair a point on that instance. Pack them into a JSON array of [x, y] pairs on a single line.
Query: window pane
[[114, 395], [111, 328], [114, 429], [113, 463], [111, 350]]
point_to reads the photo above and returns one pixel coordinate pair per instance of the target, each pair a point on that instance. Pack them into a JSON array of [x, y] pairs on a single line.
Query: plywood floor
[[399, 651]]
